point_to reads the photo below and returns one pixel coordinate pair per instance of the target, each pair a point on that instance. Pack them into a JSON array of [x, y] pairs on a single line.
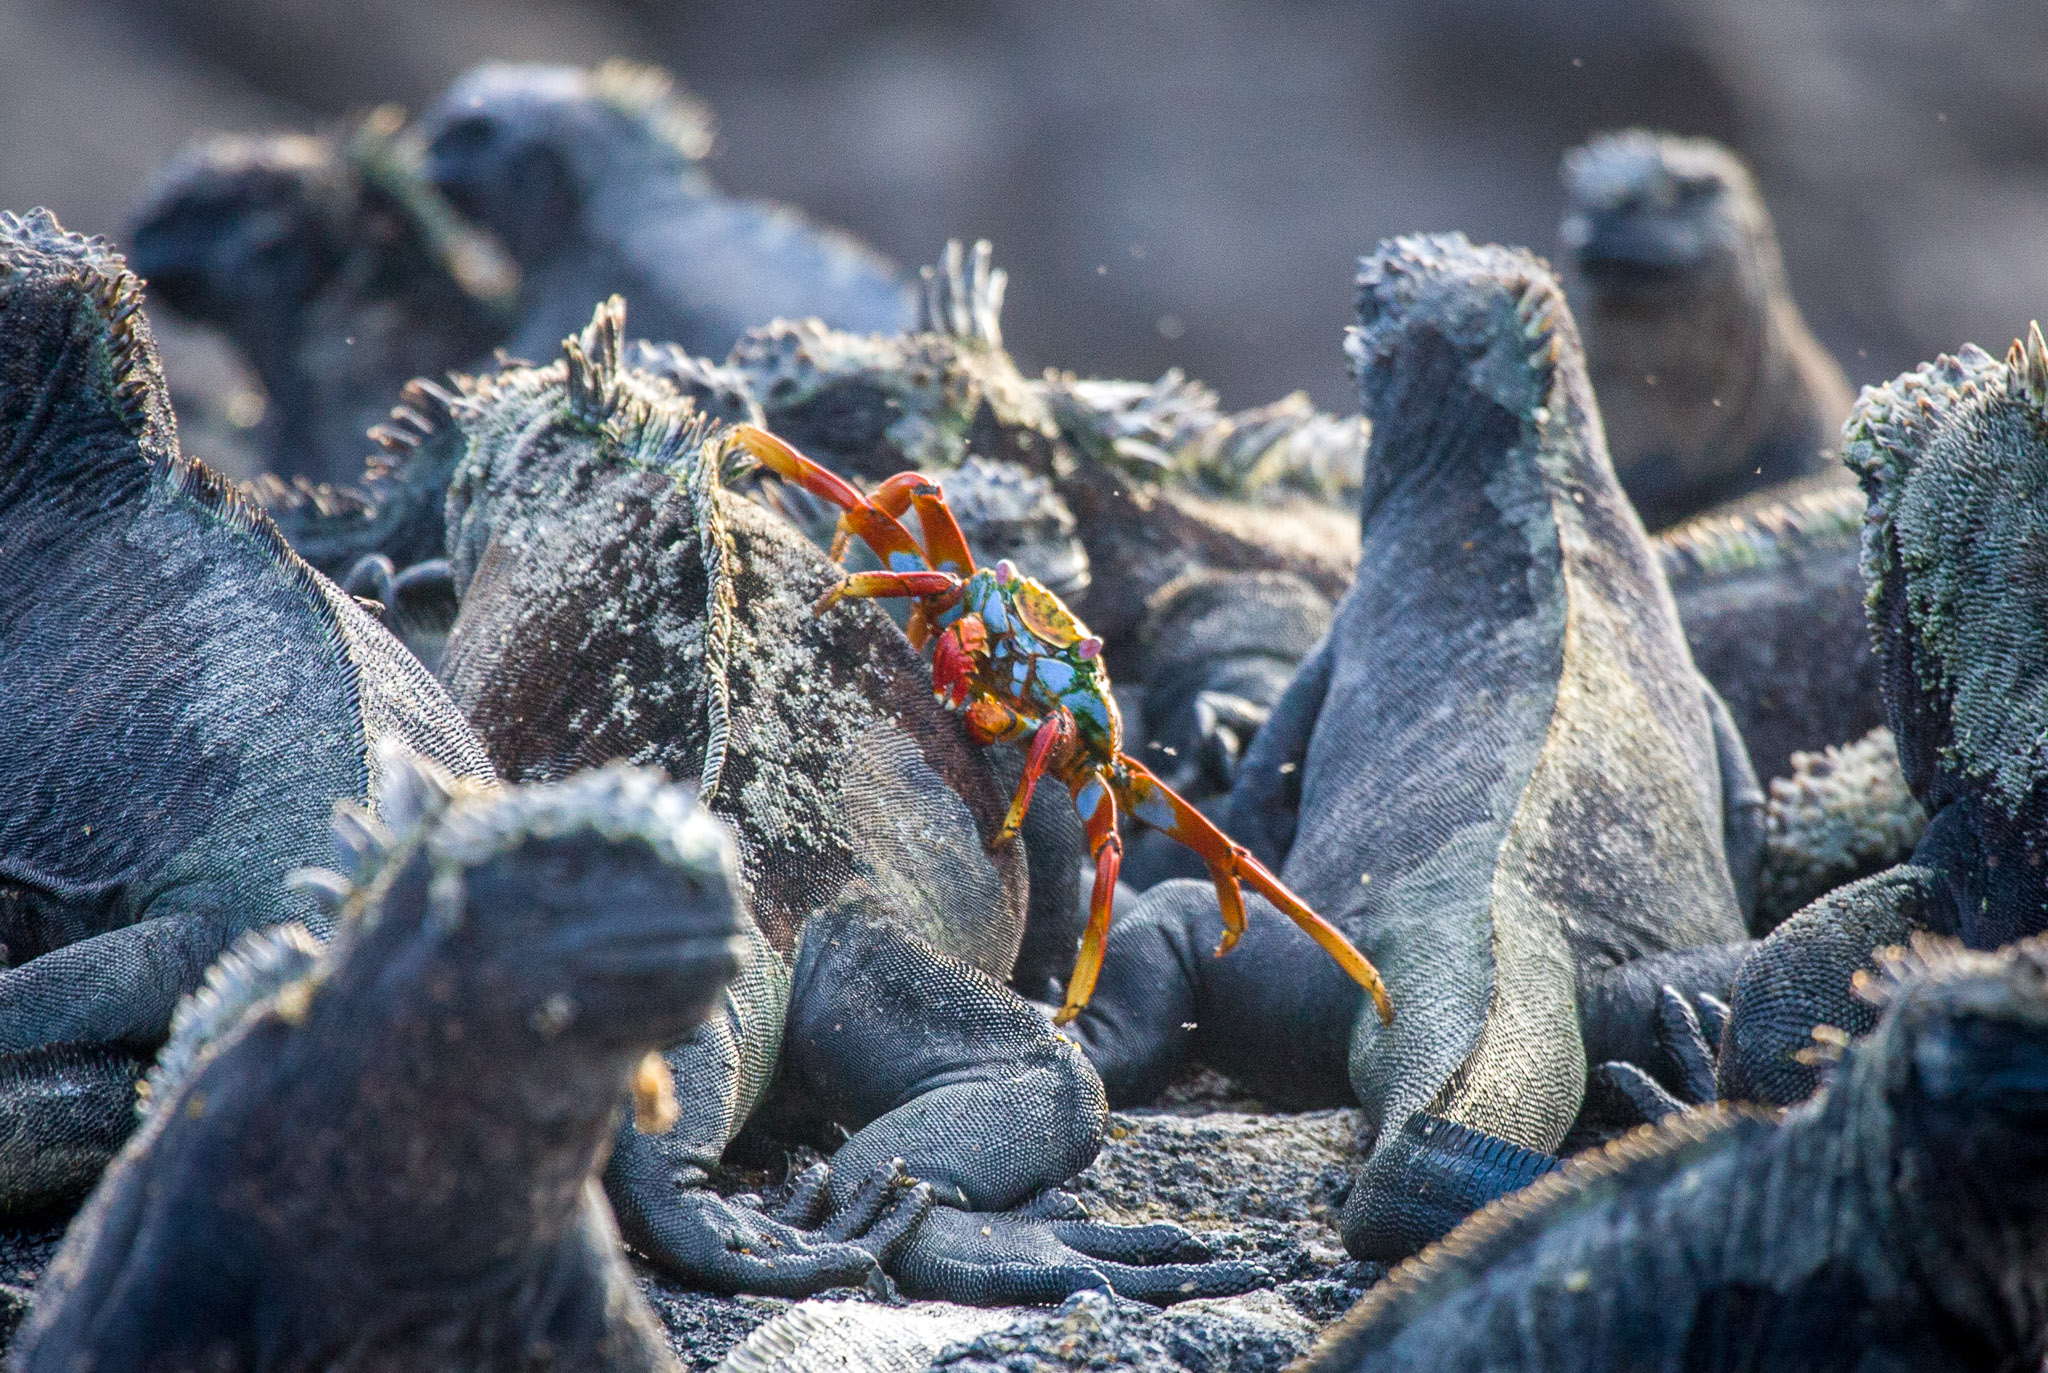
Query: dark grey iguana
[[617, 602], [336, 272], [1954, 460], [384, 1155], [1709, 380], [187, 701], [593, 180], [1900, 1221], [1771, 598], [1500, 771]]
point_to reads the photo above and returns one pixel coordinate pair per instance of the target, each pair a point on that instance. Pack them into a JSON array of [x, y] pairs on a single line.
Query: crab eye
[[1088, 647], [1006, 572]]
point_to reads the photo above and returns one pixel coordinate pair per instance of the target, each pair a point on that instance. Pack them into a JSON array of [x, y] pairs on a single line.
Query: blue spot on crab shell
[[1088, 705], [1054, 676], [907, 562]]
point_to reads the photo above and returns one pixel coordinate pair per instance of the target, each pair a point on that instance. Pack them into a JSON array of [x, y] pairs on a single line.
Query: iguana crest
[[1954, 458], [650, 98], [640, 421], [38, 241]]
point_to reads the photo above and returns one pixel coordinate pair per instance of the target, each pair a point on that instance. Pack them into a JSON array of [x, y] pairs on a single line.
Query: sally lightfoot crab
[[1017, 665]]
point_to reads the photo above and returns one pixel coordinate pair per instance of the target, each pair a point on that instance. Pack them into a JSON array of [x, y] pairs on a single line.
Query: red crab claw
[[1158, 805], [954, 657]]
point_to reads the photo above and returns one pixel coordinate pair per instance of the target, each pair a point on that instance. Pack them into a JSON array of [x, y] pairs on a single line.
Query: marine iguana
[[1771, 598], [1953, 457], [187, 701], [1710, 383], [617, 602], [593, 180], [336, 272], [384, 1155], [1500, 771], [1899, 1221]]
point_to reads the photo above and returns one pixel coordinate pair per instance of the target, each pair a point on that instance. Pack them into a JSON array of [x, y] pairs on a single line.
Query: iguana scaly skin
[[1953, 457], [1500, 771], [1771, 598], [1899, 1221], [335, 271], [384, 1155], [618, 602], [188, 699], [592, 179], [1709, 380]]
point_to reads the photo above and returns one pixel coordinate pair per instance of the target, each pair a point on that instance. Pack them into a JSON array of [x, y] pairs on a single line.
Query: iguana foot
[[796, 1250], [983, 1258]]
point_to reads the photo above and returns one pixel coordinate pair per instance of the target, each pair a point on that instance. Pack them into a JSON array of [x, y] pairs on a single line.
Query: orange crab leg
[[1158, 805], [1054, 732], [944, 545], [873, 585], [1098, 817], [877, 528]]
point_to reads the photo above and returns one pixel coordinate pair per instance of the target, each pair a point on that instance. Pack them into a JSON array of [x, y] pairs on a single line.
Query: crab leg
[[1054, 732], [944, 545], [1158, 805], [876, 527], [1098, 816], [875, 585]]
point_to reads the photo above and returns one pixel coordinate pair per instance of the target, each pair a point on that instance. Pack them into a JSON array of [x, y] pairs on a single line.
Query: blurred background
[[1173, 182]]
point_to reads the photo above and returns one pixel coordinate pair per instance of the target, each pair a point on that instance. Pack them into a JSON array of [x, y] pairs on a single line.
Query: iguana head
[[1953, 457], [239, 230], [246, 232], [75, 348], [1474, 346], [600, 908], [879, 404], [522, 147], [1653, 213]]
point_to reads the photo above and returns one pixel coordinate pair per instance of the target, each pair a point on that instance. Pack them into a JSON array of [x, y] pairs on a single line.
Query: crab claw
[[954, 657]]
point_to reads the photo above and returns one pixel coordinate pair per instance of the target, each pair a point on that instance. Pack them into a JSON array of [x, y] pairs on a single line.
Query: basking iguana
[[187, 700], [1896, 1222], [336, 272], [1953, 458], [1772, 603], [1500, 771], [1710, 383], [618, 602], [593, 180], [384, 1154]]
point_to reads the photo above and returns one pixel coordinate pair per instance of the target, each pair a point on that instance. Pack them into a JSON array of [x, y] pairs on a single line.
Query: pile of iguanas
[[425, 884]]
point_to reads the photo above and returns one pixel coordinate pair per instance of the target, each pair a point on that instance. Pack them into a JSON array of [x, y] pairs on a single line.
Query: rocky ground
[[1252, 1184]]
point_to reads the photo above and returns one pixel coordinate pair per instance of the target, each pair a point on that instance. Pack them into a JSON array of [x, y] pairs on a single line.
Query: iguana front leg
[[117, 987], [929, 1061], [660, 1190]]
